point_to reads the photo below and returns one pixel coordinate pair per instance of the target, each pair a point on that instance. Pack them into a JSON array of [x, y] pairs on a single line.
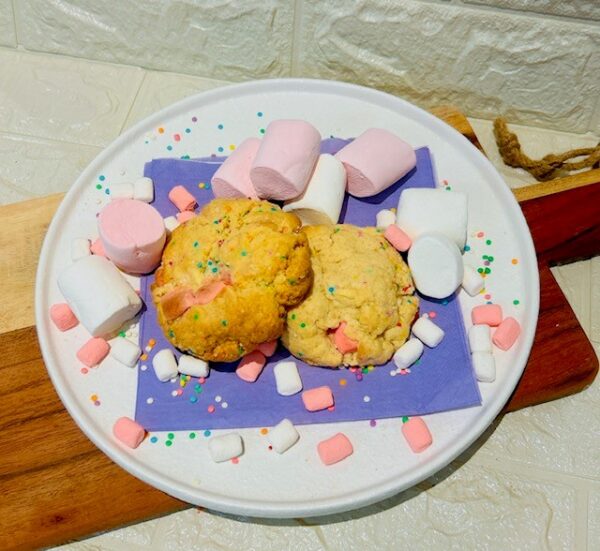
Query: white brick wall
[[584, 9], [7, 24]]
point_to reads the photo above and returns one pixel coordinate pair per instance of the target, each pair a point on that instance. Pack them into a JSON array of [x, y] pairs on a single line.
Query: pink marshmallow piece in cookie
[[182, 198], [318, 398], [397, 238], [487, 314], [285, 159], [232, 178], [62, 316], [506, 334], [97, 248], [268, 348], [93, 352], [251, 366], [342, 342], [129, 432], [417, 434], [334, 449], [375, 160], [184, 216]]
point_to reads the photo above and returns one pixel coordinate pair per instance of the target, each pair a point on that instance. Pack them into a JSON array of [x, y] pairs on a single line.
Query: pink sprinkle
[[176, 137], [97, 403], [84, 370], [201, 380], [179, 392], [211, 409], [235, 460], [488, 297], [432, 315], [331, 408], [480, 234], [372, 422]]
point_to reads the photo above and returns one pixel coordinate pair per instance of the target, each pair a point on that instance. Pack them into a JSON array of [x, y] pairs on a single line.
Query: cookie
[[228, 277], [361, 287]]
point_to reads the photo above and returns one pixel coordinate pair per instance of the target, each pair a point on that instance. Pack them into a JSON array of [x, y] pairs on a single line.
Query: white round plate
[[294, 484]]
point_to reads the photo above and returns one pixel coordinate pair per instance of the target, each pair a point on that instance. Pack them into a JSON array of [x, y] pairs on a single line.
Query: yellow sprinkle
[[231, 147], [201, 185]]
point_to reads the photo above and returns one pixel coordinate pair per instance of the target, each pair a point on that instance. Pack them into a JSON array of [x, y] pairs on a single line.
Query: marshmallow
[[171, 223], [472, 282], [80, 248], [93, 352], [287, 378], [285, 159], [176, 302], [283, 436], [232, 178], [97, 248], [433, 210], [129, 432], [226, 447], [121, 191], [408, 353], [342, 342], [143, 190], [99, 295], [334, 449], [488, 314], [480, 339], [165, 365], [376, 160], [321, 202], [268, 348], [62, 316], [384, 218], [251, 366], [125, 351], [484, 366], [133, 234], [506, 334], [318, 398], [188, 365], [183, 217], [436, 265], [427, 332], [417, 434], [182, 198], [397, 238]]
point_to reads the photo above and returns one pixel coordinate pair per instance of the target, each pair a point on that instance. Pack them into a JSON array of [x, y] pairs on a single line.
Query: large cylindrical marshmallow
[[226, 447], [436, 265], [165, 365], [125, 351], [188, 365], [480, 338], [133, 234], [283, 436], [287, 378], [433, 210], [98, 294], [408, 353], [285, 159], [472, 282], [428, 332], [321, 202], [232, 179], [376, 160]]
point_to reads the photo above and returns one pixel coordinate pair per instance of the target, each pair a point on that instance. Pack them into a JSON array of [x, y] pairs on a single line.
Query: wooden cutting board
[[55, 485]]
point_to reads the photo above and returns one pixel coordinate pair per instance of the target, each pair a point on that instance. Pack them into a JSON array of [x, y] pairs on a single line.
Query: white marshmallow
[[188, 365], [100, 297], [283, 436], [143, 190], [472, 282], [171, 223], [80, 248], [125, 351], [484, 366], [427, 332], [165, 365], [385, 218], [287, 378], [321, 202], [436, 265], [433, 210], [408, 353], [226, 447], [480, 338], [121, 191]]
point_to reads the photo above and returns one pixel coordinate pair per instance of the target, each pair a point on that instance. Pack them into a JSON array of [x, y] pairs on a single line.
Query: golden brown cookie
[[228, 276], [361, 280]]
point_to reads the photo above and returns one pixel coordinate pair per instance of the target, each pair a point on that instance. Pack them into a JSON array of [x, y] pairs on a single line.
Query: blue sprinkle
[[259, 114], [102, 177], [207, 433], [188, 130], [193, 399], [107, 191], [154, 440], [220, 127], [170, 147], [220, 149]]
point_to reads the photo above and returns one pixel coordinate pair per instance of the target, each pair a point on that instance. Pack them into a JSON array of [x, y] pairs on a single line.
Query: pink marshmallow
[[342, 342], [62, 316], [232, 179], [375, 160], [487, 314], [133, 234], [97, 248], [417, 434], [178, 301], [318, 398], [506, 334], [285, 159], [129, 432], [397, 238], [251, 366], [334, 449], [268, 348], [182, 198], [93, 352], [184, 216]]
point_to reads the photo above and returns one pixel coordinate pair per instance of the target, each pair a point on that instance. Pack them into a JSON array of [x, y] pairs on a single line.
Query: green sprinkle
[[98, 186], [171, 334], [484, 257], [487, 271], [479, 270], [490, 258], [197, 387], [244, 253], [215, 221], [303, 325], [284, 257], [196, 316], [262, 130], [292, 281], [169, 443], [210, 262], [199, 265], [196, 243], [192, 435], [293, 316], [273, 209], [448, 188], [300, 354], [215, 270], [365, 369], [121, 333], [224, 323], [170, 436], [515, 302], [405, 419], [488, 241], [331, 289], [336, 230]]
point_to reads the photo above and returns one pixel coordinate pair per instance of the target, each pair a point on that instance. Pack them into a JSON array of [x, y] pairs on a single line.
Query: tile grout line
[[14, 14], [581, 524], [135, 97], [296, 23], [10, 134]]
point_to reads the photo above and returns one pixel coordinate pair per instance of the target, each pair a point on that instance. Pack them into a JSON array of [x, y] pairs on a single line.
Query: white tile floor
[[531, 483]]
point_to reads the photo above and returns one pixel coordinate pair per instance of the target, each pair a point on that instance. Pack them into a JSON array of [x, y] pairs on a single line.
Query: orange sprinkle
[[515, 260], [264, 431], [161, 130], [343, 382], [151, 342], [144, 357], [93, 397]]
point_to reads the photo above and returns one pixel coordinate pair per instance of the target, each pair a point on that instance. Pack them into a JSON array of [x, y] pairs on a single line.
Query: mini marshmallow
[[171, 223], [251, 366], [93, 352], [283, 436], [100, 297], [183, 217], [384, 218], [472, 282], [376, 160], [422, 210], [287, 378], [63, 317], [143, 190], [195, 367], [80, 248], [435, 264], [165, 365], [318, 398], [129, 432], [484, 366], [121, 191], [488, 314], [480, 339], [97, 248], [397, 238], [427, 332], [125, 351], [285, 159], [226, 447], [321, 202], [232, 178], [334, 449], [408, 353], [268, 348], [342, 342], [182, 198], [507, 333], [417, 434]]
